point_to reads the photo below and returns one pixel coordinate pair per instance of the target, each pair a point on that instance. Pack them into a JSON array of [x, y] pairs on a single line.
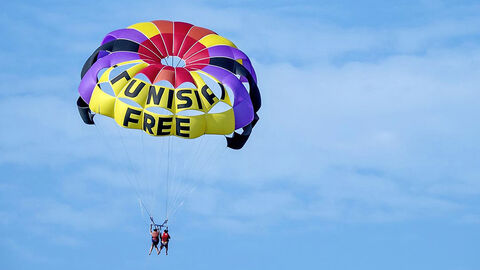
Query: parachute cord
[[142, 211], [134, 175], [142, 163], [182, 177], [186, 171], [148, 184], [124, 146], [206, 160], [178, 158], [168, 176], [146, 210], [112, 150], [161, 166]]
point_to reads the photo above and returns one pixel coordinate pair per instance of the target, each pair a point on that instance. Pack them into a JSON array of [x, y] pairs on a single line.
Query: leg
[[158, 251], [166, 249], [150, 250]]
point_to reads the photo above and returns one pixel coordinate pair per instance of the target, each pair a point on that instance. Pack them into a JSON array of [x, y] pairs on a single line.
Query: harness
[[159, 226]]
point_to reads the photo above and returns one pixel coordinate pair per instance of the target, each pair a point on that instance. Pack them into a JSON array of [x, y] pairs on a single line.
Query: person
[[165, 240], [155, 234]]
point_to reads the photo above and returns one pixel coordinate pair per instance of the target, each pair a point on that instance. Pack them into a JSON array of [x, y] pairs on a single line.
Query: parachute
[[171, 80], [154, 73]]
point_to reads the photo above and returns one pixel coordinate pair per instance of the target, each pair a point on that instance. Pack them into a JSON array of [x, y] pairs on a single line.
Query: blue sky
[[366, 155]]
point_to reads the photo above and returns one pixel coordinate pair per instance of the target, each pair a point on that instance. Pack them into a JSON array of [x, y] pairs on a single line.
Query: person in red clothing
[[155, 240], [165, 240]]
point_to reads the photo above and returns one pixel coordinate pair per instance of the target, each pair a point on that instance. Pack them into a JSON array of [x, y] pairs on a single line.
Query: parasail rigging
[[173, 81]]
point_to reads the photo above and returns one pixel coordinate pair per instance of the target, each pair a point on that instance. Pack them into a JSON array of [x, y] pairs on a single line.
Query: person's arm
[[150, 228]]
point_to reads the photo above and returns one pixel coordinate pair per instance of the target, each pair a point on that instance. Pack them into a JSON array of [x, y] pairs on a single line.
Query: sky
[[366, 155]]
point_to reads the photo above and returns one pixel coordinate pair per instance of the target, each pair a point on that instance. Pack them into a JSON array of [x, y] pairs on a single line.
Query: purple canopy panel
[[246, 62], [234, 53], [248, 65], [242, 106], [130, 34], [221, 51], [90, 79], [102, 54], [243, 113]]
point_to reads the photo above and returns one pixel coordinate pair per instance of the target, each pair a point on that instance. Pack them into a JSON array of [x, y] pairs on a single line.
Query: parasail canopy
[[160, 77]]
